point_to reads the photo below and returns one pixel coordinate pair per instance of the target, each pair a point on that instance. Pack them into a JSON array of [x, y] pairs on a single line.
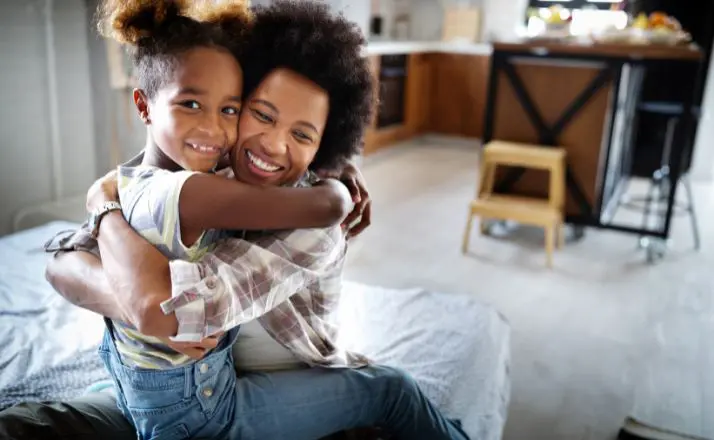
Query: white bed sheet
[[457, 348], [43, 337], [454, 346]]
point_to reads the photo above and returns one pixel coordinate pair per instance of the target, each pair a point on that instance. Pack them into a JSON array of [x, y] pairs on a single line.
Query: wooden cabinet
[[445, 94], [458, 94], [418, 94], [416, 104]]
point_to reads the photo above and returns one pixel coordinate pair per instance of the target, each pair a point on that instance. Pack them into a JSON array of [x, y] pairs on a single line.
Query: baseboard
[[449, 139]]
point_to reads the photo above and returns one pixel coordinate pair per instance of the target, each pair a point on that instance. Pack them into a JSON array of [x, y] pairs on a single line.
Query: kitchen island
[[582, 97]]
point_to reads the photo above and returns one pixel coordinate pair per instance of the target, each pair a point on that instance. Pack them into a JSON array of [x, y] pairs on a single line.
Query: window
[[577, 4], [586, 16]]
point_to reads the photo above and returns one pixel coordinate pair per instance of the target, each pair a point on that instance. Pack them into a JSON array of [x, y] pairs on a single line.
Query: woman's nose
[[274, 142]]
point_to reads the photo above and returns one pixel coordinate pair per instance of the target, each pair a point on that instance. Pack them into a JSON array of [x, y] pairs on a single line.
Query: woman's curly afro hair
[[307, 38], [157, 32]]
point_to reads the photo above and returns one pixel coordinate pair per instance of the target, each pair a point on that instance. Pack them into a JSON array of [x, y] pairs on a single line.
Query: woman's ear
[[142, 105]]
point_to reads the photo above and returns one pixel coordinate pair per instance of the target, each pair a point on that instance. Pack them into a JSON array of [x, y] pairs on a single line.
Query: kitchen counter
[[407, 47], [436, 87]]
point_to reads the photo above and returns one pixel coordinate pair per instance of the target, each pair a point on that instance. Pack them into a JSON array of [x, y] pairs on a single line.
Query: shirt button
[[204, 368], [211, 284], [208, 392]]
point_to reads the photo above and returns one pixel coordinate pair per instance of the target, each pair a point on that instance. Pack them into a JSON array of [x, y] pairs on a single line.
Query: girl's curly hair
[[307, 38], [157, 32]]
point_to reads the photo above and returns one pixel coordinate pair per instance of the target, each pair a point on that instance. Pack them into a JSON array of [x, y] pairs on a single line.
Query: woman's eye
[[191, 104], [231, 110], [302, 136], [262, 116]]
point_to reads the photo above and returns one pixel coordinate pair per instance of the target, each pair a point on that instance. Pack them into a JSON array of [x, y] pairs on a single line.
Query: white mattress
[[47, 345], [454, 346]]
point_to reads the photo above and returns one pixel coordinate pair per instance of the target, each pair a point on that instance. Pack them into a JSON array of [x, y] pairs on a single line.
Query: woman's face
[[280, 129], [193, 118]]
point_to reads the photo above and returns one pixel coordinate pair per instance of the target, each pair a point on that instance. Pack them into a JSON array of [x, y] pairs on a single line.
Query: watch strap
[[99, 213]]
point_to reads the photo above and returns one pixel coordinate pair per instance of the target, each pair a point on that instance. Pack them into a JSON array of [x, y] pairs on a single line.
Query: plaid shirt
[[290, 281]]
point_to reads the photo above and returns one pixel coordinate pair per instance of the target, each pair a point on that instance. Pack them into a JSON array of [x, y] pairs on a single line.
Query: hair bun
[[128, 21], [231, 15]]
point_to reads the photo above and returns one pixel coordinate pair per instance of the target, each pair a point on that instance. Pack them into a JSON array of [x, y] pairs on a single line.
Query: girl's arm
[[211, 202]]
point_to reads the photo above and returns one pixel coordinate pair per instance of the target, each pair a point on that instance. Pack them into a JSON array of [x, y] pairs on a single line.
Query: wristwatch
[[96, 216]]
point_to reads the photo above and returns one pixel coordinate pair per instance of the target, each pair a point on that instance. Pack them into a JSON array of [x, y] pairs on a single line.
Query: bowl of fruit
[[551, 23], [659, 28]]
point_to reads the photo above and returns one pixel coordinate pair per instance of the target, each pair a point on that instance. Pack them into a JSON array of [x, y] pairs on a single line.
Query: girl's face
[[280, 129], [193, 119]]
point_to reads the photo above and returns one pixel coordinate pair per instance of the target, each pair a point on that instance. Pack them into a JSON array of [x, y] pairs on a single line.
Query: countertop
[[617, 50], [405, 47]]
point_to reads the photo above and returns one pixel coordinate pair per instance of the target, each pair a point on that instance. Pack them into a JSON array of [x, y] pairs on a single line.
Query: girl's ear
[[142, 105]]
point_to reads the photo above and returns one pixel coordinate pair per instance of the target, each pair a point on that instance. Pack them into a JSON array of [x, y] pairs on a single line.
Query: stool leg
[[549, 241], [561, 235], [649, 199], [487, 181], [467, 233], [692, 214]]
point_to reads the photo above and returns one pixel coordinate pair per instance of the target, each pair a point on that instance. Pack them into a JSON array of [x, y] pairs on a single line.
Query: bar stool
[[660, 182], [547, 213]]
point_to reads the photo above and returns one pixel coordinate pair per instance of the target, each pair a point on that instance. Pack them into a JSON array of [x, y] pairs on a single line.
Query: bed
[[454, 346]]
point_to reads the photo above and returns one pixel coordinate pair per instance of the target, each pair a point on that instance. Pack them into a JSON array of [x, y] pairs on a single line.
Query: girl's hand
[[194, 350], [362, 212]]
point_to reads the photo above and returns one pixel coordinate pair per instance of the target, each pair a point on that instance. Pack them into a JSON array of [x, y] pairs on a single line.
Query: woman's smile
[[261, 166]]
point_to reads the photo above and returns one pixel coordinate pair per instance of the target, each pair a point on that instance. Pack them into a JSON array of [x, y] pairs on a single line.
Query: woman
[[301, 53]]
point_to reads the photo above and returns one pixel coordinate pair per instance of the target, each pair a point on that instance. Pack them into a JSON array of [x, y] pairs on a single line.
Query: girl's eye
[[231, 111], [261, 116], [193, 105]]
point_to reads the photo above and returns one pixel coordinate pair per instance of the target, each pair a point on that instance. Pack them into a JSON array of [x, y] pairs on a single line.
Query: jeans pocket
[[176, 432], [148, 404]]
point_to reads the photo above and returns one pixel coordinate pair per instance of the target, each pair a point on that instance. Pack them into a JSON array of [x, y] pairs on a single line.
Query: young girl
[[189, 98]]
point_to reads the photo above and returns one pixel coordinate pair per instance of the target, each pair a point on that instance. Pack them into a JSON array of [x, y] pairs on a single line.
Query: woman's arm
[[79, 278], [130, 278], [125, 284], [211, 202]]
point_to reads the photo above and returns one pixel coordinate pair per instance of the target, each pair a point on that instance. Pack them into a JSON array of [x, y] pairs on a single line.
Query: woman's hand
[[105, 189], [194, 350], [362, 212]]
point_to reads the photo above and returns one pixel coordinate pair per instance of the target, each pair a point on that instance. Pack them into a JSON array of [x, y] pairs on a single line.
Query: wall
[[502, 18], [499, 19], [703, 161], [354, 10], [120, 133], [44, 73]]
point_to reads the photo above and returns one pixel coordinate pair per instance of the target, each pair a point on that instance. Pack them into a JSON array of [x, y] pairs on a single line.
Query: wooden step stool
[[547, 214]]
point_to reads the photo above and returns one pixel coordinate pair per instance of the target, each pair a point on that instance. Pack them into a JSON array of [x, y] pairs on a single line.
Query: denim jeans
[[206, 399]]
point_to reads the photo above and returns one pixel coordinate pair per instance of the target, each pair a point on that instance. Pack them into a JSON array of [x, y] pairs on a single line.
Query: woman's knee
[[395, 379]]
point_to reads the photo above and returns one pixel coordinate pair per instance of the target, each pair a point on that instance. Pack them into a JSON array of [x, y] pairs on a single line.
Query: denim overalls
[[191, 401]]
